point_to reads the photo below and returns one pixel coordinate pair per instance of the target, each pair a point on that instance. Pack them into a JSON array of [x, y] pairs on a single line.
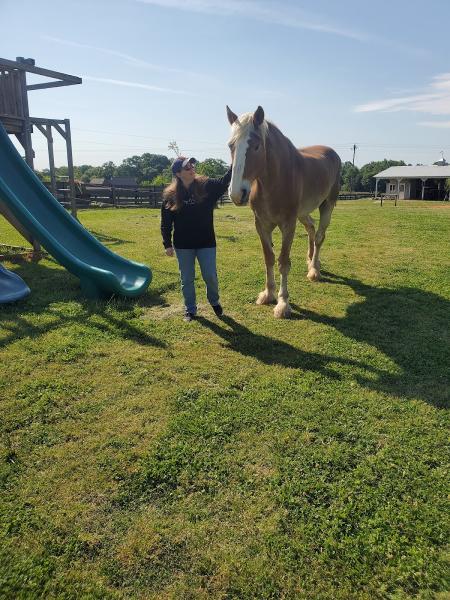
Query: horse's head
[[247, 145]]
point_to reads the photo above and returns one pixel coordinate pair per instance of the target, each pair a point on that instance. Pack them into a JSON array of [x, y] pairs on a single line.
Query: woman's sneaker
[[189, 316], [217, 308]]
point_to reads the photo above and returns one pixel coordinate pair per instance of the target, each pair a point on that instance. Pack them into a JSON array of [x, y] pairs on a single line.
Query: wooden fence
[[98, 196]]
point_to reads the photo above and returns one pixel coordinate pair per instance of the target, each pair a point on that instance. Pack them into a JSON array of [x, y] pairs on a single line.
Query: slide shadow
[[53, 286]]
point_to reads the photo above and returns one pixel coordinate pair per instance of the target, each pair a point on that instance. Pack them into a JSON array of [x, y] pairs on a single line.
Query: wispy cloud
[[435, 100], [276, 13], [262, 11], [132, 60], [143, 86], [435, 124]]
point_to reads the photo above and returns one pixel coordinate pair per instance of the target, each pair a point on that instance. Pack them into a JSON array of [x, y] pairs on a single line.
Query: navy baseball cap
[[181, 162]]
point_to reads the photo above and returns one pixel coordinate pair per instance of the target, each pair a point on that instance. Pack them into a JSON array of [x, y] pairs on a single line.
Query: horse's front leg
[[267, 296], [283, 310]]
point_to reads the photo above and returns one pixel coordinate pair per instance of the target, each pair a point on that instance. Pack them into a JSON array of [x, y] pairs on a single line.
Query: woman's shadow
[[409, 326]]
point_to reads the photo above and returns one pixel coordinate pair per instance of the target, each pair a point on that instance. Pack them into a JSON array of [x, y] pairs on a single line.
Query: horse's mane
[[244, 126]]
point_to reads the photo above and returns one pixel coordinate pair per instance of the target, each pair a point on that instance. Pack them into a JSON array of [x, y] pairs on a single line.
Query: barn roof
[[128, 181], [417, 172]]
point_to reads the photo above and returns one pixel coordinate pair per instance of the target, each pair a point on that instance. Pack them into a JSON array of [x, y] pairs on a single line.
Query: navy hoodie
[[193, 224]]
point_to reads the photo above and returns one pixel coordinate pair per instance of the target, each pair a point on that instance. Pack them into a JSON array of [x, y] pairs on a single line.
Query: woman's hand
[[170, 251]]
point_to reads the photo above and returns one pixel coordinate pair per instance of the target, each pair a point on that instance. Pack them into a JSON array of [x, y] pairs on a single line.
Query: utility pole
[[354, 151]]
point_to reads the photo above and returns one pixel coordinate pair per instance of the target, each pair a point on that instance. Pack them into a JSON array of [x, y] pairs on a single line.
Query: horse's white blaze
[[237, 183]]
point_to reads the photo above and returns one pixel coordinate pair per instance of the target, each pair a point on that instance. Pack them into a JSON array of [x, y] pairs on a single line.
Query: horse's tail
[[336, 187]]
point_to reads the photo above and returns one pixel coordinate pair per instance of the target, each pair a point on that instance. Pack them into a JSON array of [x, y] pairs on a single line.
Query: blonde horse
[[283, 185]]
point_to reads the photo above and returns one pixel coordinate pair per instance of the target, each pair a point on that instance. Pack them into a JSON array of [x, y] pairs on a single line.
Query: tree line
[[155, 169], [147, 169]]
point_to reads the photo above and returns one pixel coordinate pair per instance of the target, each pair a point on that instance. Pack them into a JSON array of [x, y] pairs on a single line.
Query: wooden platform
[[12, 124]]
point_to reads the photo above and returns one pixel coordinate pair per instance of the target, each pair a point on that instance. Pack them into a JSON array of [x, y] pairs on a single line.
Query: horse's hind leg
[[283, 310], [267, 296], [308, 223], [325, 209]]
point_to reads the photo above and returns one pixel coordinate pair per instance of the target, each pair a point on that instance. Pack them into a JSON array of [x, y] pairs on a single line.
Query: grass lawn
[[142, 457]]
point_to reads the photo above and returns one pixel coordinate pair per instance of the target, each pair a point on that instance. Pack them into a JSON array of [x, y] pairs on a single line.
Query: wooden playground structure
[[16, 119]]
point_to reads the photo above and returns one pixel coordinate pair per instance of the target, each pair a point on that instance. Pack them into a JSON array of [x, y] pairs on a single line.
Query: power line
[[221, 144]]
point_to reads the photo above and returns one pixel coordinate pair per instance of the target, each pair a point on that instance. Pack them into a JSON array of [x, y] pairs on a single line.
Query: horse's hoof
[[265, 298], [282, 311], [313, 275]]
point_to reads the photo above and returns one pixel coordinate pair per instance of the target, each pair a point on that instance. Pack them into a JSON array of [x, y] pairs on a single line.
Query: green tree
[[90, 173], [144, 167], [129, 167], [370, 169], [62, 171], [212, 167], [153, 165], [350, 177], [108, 169], [163, 178]]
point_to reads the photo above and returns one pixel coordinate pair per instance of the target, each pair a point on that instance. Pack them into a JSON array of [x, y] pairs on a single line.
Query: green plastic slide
[[101, 272]]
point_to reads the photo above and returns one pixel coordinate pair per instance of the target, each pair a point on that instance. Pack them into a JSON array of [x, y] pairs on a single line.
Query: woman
[[188, 205]]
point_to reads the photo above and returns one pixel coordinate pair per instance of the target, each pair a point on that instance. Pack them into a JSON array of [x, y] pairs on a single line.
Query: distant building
[[419, 182], [122, 182]]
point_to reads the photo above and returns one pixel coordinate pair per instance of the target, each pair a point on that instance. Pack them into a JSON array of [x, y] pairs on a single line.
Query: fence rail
[[98, 196]]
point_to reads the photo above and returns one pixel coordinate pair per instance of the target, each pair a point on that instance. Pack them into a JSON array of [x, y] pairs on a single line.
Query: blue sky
[[372, 73]]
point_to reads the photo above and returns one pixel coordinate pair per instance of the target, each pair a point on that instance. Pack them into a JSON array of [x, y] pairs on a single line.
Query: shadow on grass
[[409, 326], [109, 240], [274, 352], [53, 286]]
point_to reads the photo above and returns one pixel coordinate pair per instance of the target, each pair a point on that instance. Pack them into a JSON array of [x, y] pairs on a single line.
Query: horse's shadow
[[275, 352], [409, 326]]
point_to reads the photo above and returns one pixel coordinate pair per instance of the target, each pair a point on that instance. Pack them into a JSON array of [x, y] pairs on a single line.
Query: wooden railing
[[98, 196]]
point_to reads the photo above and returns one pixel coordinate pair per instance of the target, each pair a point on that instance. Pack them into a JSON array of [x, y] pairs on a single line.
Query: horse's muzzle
[[240, 194], [245, 196]]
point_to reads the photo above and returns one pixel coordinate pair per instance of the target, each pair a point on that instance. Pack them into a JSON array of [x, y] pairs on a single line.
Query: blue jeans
[[207, 260]]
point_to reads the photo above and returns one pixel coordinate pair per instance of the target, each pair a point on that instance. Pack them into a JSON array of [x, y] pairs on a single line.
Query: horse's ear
[[258, 116], [231, 116]]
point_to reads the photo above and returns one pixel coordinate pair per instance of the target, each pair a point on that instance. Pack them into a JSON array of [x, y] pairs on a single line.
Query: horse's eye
[[256, 147]]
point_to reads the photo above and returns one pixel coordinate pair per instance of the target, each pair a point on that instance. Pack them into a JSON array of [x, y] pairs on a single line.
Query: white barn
[[418, 183]]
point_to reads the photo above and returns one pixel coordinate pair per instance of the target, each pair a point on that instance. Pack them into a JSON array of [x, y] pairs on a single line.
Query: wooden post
[[73, 200], [46, 129], [398, 192], [423, 188], [25, 139], [26, 136], [51, 159]]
